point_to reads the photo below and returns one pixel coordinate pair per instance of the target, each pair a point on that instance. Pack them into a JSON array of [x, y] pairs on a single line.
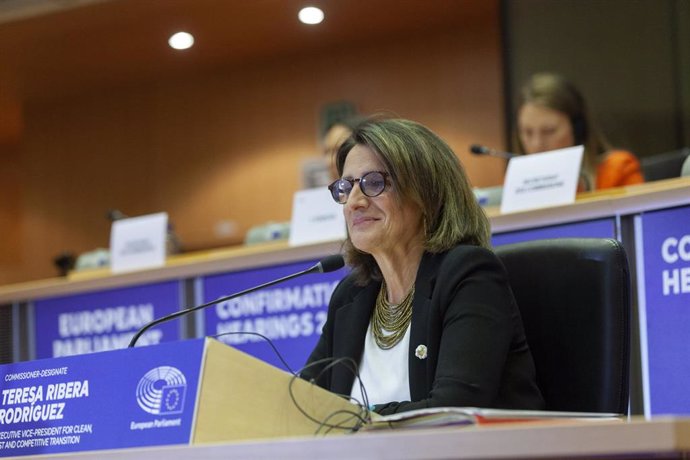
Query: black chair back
[[574, 298], [664, 165]]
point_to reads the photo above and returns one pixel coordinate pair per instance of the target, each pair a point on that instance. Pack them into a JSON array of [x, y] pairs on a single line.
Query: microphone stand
[[316, 268]]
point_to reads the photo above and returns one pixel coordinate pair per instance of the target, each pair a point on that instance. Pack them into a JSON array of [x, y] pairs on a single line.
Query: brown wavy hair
[[425, 171]]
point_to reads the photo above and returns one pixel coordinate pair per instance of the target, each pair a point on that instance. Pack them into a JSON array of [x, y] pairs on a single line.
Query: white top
[[385, 374]]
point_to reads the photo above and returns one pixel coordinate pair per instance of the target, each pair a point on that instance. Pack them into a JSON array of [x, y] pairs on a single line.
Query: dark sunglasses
[[372, 184]]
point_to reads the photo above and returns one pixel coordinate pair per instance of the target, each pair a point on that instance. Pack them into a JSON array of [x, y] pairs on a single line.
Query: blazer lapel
[[352, 322], [419, 335]]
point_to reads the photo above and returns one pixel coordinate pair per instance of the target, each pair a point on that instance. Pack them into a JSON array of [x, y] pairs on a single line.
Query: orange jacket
[[619, 168]]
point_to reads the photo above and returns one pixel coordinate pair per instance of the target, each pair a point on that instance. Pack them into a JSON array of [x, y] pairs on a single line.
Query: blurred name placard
[[138, 242], [316, 218], [542, 180], [121, 398]]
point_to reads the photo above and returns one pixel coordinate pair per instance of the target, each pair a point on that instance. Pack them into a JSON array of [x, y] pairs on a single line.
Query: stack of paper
[[443, 416]]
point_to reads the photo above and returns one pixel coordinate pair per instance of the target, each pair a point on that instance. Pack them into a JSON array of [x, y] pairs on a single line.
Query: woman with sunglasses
[[426, 317]]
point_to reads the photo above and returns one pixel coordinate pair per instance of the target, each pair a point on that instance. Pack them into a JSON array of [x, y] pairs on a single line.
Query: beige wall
[[227, 145]]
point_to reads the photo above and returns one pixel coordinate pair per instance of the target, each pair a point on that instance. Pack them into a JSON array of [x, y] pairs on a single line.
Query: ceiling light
[[181, 41], [310, 15]]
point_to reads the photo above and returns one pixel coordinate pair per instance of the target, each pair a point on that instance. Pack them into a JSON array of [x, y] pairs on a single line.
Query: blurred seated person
[[426, 315], [320, 172], [334, 136], [552, 115]]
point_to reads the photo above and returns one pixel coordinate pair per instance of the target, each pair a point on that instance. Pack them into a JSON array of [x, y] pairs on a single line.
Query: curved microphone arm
[[327, 264]]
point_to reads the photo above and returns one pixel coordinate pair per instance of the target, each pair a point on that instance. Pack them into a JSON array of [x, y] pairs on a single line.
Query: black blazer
[[464, 312]]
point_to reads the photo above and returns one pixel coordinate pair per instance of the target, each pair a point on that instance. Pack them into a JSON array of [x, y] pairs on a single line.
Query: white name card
[[316, 218], [138, 242], [542, 180]]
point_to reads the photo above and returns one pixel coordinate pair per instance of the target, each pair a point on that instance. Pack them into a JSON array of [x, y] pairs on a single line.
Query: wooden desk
[[661, 438], [615, 202], [176, 267], [621, 205]]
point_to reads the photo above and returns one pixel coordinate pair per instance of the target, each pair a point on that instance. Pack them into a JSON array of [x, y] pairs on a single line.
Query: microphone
[[482, 150], [325, 265], [115, 214]]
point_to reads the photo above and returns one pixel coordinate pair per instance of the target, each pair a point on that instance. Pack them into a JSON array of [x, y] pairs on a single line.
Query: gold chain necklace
[[389, 322]]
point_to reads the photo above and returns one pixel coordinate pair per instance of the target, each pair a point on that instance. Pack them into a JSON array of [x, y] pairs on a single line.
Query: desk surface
[[620, 201], [660, 438]]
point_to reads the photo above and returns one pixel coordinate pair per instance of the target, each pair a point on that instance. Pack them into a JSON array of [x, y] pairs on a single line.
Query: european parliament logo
[[162, 390]]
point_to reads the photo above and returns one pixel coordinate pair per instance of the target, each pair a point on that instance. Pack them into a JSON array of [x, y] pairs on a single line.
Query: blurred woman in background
[[552, 115]]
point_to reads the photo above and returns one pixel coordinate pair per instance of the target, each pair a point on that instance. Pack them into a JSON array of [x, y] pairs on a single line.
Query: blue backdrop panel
[[104, 320], [665, 315], [291, 314], [599, 228]]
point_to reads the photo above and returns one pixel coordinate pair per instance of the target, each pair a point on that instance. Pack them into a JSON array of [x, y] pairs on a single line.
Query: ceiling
[[57, 48], [13, 10]]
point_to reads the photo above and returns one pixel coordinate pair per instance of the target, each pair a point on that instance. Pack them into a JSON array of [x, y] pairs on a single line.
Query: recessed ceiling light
[[310, 15], [181, 41]]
